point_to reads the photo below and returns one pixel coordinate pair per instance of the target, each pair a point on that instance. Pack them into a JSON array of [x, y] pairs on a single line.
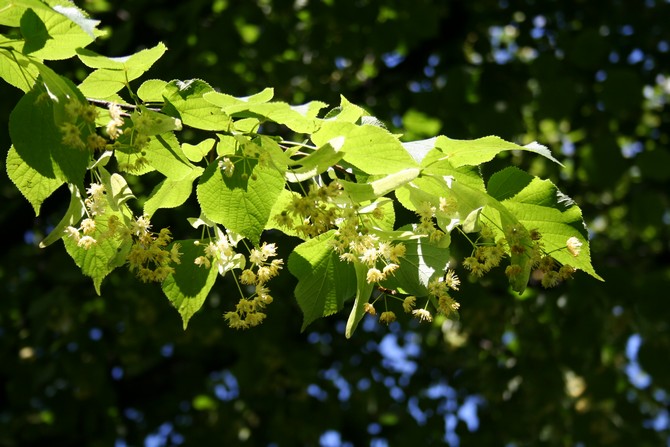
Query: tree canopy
[[580, 364]]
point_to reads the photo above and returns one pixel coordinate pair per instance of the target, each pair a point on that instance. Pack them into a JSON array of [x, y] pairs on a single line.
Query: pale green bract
[[329, 178]]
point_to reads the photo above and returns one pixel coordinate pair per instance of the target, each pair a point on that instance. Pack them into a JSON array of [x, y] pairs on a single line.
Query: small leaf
[[152, 90], [539, 205], [34, 186], [196, 152], [114, 73], [184, 99], [315, 163], [188, 287]]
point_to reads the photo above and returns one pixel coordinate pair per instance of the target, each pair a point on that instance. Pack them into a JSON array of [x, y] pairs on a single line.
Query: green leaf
[[324, 282], [360, 192], [539, 205], [165, 155], [196, 152], [481, 150], [242, 203], [96, 262], [73, 215], [346, 112], [34, 186], [283, 113], [118, 191], [184, 99], [422, 262], [361, 141], [508, 182], [151, 90], [67, 27], [317, 162], [171, 193], [154, 123], [190, 284], [34, 32], [234, 104], [16, 69], [363, 291], [43, 151], [114, 73]]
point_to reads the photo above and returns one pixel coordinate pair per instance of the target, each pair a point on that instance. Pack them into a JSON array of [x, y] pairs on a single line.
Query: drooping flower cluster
[[249, 312], [80, 118], [426, 226], [116, 121], [516, 240], [149, 257], [314, 213]]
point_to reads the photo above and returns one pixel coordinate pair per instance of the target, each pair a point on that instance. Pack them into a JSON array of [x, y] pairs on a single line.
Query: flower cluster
[[113, 127], [486, 253], [438, 295], [313, 213], [381, 257], [249, 312], [426, 226], [221, 254], [81, 118], [149, 257]]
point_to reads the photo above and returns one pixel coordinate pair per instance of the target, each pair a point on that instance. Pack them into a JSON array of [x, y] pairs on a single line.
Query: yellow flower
[[88, 226], [369, 256], [387, 317], [452, 280], [86, 242], [397, 252], [73, 233], [409, 303], [374, 275], [550, 279], [369, 308], [422, 315], [248, 277], [390, 268]]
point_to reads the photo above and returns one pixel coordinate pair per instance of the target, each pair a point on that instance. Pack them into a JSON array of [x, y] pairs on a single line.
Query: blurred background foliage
[[585, 364]]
